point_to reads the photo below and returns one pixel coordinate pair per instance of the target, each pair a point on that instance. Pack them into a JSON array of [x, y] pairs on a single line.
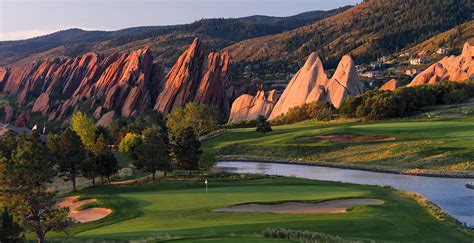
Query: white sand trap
[[333, 206], [86, 215]]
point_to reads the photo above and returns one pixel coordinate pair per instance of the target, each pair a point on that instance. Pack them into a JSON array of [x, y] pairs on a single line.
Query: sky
[[21, 19]]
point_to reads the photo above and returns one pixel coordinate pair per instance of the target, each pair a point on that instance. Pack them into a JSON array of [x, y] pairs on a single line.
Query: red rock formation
[[306, 86], [248, 107], [196, 78], [9, 113], [127, 83], [344, 82], [124, 82], [106, 119], [23, 120], [390, 85], [453, 68], [311, 84]]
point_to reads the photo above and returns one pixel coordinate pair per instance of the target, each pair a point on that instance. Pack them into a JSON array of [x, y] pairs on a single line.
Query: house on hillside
[[383, 59], [423, 53], [418, 61], [373, 74], [442, 51], [376, 65], [361, 68], [405, 54]]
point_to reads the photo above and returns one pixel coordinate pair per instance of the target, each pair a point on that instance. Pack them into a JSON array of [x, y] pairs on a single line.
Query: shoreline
[[240, 158]]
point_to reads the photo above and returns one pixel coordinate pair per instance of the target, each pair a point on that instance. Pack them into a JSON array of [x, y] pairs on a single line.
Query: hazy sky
[[20, 19]]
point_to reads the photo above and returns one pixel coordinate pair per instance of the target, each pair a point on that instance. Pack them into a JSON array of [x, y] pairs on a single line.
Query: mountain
[[121, 84], [217, 32], [369, 30]]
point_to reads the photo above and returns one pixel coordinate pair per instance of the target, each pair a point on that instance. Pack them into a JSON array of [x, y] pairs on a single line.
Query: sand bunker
[[344, 138], [333, 206], [86, 215]]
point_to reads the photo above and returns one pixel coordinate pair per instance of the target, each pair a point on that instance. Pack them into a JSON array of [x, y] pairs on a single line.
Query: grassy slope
[[181, 209], [434, 145]]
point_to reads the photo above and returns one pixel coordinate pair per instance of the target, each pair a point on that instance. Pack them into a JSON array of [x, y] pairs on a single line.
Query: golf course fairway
[[412, 146], [182, 210]]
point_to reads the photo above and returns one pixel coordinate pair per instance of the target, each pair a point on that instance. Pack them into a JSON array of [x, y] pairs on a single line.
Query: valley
[[348, 124]]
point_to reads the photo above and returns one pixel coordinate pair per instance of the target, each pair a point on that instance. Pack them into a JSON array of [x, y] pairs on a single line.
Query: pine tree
[[70, 153], [10, 231], [24, 181], [89, 169], [263, 125], [153, 153], [186, 150], [107, 165]]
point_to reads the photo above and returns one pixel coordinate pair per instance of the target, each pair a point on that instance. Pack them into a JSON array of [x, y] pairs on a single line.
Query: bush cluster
[[241, 124], [404, 101], [319, 111], [303, 236]]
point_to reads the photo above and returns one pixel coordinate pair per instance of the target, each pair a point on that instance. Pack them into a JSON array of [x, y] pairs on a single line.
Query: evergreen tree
[[89, 168], [100, 145], [7, 144], [10, 231], [24, 181], [186, 150], [107, 165], [70, 154], [207, 161], [263, 125], [153, 153]]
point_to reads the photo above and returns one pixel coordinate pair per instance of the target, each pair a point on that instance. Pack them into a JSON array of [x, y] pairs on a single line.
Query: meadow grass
[[433, 145], [183, 211]]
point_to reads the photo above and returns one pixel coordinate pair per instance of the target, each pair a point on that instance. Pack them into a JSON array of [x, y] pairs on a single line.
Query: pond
[[450, 194]]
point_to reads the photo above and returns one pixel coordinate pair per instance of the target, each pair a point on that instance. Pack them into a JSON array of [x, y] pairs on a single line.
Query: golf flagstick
[[206, 185]]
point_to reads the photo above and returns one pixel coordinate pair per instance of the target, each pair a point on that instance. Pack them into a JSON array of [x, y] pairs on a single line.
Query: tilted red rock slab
[[453, 68]]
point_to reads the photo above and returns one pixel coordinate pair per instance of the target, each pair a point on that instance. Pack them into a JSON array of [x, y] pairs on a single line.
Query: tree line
[[30, 164], [404, 101]]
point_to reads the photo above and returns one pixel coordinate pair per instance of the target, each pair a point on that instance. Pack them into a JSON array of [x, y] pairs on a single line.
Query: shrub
[[241, 124], [303, 236], [316, 110], [263, 125]]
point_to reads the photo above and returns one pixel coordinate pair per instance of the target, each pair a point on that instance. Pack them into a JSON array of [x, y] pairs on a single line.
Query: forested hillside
[[367, 31]]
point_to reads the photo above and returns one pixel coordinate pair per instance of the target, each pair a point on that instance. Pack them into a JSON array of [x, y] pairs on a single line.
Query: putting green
[[430, 145], [183, 210]]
